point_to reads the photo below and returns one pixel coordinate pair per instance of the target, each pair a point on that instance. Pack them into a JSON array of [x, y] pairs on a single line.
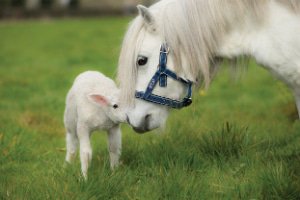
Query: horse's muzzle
[[144, 125]]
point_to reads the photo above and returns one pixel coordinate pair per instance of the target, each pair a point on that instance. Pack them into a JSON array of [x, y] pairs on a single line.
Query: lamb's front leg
[[114, 145], [85, 148]]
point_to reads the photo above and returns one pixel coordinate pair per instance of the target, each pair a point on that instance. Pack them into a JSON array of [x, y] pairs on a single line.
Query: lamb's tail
[[71, 115]]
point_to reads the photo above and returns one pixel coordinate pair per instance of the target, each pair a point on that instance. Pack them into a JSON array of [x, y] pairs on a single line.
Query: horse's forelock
[[127, 71]]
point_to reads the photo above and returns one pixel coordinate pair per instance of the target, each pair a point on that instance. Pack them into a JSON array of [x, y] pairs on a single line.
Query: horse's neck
[[274, 41]]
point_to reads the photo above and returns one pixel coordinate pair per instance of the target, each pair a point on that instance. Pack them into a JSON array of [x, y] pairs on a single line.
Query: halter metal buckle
[[167, 49]]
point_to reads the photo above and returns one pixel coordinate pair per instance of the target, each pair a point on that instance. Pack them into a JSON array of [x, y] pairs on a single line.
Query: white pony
[[198, 32]]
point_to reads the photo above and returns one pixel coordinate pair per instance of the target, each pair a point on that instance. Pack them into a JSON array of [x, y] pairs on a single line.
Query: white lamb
[[92, 104]]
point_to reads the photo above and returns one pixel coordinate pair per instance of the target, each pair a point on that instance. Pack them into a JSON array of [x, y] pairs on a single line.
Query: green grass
[[240, 140]]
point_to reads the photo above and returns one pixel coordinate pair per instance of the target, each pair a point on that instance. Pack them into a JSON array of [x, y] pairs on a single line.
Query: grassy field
[[239, 140]]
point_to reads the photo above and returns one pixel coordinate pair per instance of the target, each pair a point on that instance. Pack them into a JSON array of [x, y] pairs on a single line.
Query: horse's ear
[[148, 16]]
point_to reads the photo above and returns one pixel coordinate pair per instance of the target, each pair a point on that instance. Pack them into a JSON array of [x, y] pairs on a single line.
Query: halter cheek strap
[[160, 77]]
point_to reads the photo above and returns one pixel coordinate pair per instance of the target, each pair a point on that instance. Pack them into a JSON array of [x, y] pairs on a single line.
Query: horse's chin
[[142, 130]]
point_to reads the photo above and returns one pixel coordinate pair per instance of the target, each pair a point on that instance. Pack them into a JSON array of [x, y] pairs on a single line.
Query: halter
[[161, 76]]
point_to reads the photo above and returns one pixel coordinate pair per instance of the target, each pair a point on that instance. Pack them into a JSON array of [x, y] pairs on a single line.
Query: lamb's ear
[[147, 16], [99, 99]]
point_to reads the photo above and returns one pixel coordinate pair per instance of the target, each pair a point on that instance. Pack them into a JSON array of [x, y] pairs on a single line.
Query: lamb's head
[[110, 104]]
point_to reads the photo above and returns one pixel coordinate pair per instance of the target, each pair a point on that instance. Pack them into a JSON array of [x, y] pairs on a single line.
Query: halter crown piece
[[161, 76]]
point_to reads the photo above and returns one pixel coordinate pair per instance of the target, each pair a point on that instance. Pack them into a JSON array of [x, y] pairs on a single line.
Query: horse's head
[[143, 47]]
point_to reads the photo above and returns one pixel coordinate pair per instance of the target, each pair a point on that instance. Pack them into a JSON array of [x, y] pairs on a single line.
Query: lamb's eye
[[115, 106], [142, 60]]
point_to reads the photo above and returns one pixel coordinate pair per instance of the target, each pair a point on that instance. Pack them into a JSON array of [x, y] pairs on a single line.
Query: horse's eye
[[115, 106], [142, 60]]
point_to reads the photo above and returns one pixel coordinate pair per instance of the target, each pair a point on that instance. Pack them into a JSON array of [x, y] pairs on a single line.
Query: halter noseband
[[161, 76]]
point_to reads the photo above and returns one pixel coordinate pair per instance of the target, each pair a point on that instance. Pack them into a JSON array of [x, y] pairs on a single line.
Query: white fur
[[199, 31], [275, 44], [83, 115]]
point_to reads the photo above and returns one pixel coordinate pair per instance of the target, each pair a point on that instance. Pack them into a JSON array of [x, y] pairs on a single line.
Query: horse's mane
[[193, 29], [294, 5], [127, 69]]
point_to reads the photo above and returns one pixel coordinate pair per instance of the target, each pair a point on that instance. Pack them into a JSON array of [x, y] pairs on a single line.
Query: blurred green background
[[55, 8]]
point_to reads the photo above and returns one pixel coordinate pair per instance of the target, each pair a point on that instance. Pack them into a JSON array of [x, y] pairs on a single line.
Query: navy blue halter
[[161, 76]]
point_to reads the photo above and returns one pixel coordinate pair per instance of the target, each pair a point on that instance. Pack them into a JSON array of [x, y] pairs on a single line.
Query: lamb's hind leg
[[114, 145], [85, 148], [72, 144]]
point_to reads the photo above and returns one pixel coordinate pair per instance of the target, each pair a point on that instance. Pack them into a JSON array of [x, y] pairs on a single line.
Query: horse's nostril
[[147, 121], [127, 119], [147, 117]]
